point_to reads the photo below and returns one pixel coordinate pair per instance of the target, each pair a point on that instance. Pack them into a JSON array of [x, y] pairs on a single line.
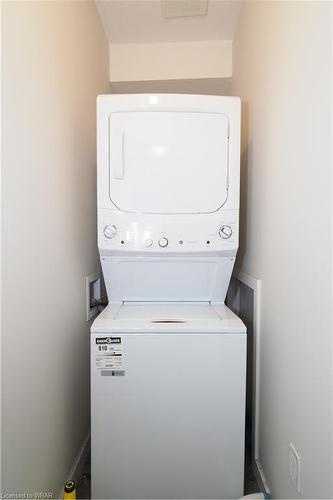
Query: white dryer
[[167, 357]]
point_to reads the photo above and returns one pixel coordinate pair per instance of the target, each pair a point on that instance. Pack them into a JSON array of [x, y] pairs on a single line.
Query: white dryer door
[[168, 162]]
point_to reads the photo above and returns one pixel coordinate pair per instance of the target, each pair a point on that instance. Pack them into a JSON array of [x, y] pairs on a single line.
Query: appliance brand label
[[108, 354], [108, 340]]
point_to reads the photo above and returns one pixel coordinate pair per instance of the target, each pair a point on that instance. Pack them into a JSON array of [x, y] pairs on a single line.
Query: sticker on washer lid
[[108, 353]]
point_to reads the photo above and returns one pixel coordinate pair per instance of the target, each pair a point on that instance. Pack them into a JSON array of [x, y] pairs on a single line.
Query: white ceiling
[[141, 21]]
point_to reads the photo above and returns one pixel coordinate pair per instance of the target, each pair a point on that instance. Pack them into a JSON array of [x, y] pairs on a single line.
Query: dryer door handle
[[117, 155]]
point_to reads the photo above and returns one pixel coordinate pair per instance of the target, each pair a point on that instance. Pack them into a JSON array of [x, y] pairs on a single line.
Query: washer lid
[[167, 317], [167, 312], [168, 162]]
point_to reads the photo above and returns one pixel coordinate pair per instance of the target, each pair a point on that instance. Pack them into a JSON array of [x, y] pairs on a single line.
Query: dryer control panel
[[119, 231]]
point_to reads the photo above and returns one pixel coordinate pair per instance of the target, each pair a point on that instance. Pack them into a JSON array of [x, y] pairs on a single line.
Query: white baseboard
[[260, 477], [77, 467]]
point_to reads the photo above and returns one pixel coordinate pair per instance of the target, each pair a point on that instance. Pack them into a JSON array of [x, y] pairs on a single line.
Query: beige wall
[[207, 86], [55, 62], [170, 61], [282, 71]]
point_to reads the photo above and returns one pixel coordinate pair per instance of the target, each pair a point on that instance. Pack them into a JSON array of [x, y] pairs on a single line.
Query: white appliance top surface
[[164, 312], [168, 317]]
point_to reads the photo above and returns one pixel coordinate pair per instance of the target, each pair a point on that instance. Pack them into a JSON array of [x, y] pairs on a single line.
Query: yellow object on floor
[[69, 490]]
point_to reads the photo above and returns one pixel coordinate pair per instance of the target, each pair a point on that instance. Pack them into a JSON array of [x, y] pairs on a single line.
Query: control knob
[[163, 242], [225, 232], [110, 231]]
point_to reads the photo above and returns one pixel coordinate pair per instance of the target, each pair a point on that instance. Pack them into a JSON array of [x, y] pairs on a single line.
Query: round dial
[[163, 242], [110, 231], [225, 232]]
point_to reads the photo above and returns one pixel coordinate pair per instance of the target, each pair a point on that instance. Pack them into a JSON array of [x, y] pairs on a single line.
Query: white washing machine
[[168, 358]]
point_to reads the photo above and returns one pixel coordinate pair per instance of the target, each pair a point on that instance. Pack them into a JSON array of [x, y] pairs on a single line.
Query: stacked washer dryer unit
[[167, 356]]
